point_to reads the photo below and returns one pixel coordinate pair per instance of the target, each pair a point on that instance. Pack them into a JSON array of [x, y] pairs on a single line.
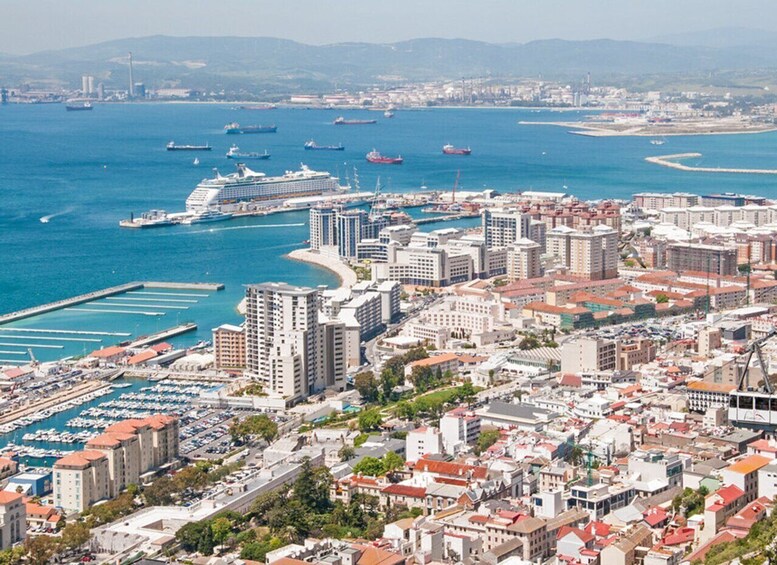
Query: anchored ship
[[313, 146], [75, 106], [235, 153], [246, 185], [234, 128], [451, 150], [341, 121], [374, 156], [173, 147]]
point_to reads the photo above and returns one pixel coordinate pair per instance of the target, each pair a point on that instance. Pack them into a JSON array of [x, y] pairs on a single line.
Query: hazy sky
[[33, 25]]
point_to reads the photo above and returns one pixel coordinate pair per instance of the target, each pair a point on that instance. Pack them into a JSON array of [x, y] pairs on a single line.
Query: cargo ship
[[259, 107], [375, 157], [235, 128], [228, 192], [173, 147], [451, 150], [313, 146], [341, 121], [235, 153], [75, 106]]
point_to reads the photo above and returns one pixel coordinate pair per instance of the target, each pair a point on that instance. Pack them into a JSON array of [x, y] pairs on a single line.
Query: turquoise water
[[88, 170]]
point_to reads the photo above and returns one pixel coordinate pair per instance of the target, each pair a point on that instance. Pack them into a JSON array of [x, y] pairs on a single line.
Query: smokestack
[[132, 81]]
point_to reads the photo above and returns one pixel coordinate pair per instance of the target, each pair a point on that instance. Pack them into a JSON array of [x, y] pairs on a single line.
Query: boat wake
[[212, 230], [47, 219]]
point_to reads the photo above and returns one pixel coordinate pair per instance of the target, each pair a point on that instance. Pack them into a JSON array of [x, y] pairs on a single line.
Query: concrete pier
[[164, 334], [51, 306], [104, 293], [670, 161]]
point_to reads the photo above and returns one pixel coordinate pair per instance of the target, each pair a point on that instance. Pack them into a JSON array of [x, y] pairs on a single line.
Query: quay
[[445, 218], [104, 293], [61, 397], [669, 161], [164, 334]]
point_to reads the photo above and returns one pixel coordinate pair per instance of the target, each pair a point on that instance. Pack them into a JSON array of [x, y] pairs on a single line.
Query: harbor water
[[68, 178]]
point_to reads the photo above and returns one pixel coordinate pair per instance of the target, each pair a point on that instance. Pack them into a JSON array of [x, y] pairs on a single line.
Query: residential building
[[229, 347], [81, 479], [323, 227], [523, 260], [588, 255], [503, 227], [459, 427], [13, 519], [589, 354], [695, 256], [744, 475], [421, 442], [703, 395]]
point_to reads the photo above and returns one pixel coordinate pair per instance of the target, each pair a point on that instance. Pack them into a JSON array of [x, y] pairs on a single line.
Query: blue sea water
[[88, 170]]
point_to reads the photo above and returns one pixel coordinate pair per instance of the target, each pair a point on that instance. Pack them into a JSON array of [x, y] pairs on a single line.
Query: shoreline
[[344, 274], [587, 130]]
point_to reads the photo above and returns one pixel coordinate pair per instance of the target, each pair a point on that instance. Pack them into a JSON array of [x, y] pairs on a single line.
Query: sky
[[28, 26]]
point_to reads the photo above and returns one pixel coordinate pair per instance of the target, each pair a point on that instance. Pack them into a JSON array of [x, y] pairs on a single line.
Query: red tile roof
[[7, 497], [450, 469], [405, 490]]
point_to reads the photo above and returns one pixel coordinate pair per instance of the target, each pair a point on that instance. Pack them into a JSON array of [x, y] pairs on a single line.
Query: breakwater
[[671, 162]]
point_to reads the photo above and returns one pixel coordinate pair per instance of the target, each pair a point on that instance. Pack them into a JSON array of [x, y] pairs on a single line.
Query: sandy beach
[[704, 127], [346, 275]]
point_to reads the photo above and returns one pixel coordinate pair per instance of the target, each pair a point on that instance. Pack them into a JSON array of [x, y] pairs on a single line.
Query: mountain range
[[271, 65]]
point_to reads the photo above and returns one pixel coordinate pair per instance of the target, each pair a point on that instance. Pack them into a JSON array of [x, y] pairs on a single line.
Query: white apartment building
[[81, 479], [323, 227], [589, 255], [459, 428], [503, 227], [423, 441]]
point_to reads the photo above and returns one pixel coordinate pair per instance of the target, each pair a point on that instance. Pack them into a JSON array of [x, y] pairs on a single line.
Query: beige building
[[13, 519], [588, 354], [523, 260], [589, 255], [114, 460], [635, 352], [229, 347]]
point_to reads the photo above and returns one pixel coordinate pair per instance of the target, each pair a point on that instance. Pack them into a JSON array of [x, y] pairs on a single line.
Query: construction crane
[[33, 360], [755, 347]]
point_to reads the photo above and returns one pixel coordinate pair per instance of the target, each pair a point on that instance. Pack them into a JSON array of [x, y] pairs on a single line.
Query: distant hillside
[[722, 38], [264, 64]]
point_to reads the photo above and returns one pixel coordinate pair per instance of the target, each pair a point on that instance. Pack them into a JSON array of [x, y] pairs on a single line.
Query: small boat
[[235, 153], [374, 156], [234, 128], [208, 216], [313, 146], [173, 147], [341, 121], [657, 141], [75, 106], [388, 114], [196, 161], [451, 150]]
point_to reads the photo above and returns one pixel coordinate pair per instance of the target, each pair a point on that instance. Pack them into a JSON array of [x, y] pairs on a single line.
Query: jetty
[[346, 275], [164, 334], [671, 162], [105, 293]]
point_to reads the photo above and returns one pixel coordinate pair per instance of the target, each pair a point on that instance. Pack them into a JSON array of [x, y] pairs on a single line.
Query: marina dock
[[163, 335], [670, 161]]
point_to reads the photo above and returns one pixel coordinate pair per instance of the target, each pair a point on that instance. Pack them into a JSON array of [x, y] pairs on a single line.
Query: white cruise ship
[[227, 192]]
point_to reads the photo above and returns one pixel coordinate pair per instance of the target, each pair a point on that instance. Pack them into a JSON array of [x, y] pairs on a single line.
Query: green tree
[[661, 298], [74, 535], [367, 385], [160, 492], [486, 439], [404, 410], [467, 392], [254, 426], [346, 453], [370, 466], [392, 462], [41, 549], [311, 488], [370, 420], [220, 528], [12, 556]]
